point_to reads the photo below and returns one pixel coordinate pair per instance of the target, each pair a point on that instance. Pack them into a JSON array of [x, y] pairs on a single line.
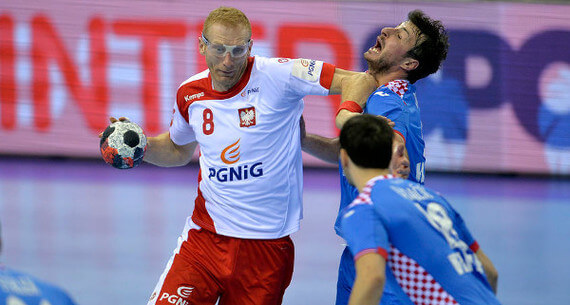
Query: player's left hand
[[390, 123], [113, 120]]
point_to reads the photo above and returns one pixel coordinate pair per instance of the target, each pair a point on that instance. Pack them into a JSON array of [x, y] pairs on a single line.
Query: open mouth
[[377, 47]]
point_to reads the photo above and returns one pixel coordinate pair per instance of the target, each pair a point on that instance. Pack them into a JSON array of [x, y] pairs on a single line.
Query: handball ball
[[123, 144]]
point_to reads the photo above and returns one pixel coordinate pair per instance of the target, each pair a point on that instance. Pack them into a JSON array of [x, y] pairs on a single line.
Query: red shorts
[[207, 266]]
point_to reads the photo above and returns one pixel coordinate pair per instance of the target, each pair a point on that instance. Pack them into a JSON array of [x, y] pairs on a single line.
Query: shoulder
[[389, 188], [194, 87], [197, 82], [398, 87], [272, 67], [47, 290], [391, 93], [54, 293], [393, 90], [262, 62]]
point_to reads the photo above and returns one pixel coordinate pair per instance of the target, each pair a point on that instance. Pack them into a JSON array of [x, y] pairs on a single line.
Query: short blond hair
[[227, 16]]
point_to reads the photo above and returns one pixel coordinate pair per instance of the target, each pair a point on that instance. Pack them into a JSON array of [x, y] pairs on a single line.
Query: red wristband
[[350, 106]]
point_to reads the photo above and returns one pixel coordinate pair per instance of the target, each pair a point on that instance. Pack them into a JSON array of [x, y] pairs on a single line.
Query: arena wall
[[501, 103]]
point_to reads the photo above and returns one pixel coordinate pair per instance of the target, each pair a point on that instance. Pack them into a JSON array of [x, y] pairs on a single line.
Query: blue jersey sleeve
[[363, 231], [460, 226], [391, 106], [464, 233]]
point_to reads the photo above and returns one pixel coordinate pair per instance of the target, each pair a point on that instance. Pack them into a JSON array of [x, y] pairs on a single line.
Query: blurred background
[[496, 123]]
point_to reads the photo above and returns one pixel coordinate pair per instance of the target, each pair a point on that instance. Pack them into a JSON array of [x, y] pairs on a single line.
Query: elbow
[[376, 280], [493, 275], [338, 122], [493, 278], [379, 281]]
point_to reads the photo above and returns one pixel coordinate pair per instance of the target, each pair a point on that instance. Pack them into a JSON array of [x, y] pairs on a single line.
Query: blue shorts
[[346, 274]]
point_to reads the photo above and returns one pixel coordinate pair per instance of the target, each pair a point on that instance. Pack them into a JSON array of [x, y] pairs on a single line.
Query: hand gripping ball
[[123, 144]]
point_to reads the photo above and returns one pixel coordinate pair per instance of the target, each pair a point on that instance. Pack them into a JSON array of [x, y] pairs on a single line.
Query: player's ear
[[201, 46], [250, 46], [344, 159], [409, 64]]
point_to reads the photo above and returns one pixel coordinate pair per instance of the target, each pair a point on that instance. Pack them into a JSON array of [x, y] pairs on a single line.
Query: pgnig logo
[[236, 173], [231, 155]]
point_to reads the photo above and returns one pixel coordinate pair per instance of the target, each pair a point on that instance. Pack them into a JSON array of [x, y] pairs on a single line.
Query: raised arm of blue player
[[490, 271]]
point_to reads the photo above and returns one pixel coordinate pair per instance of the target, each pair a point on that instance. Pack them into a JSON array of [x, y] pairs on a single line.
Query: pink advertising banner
[[501, 102]]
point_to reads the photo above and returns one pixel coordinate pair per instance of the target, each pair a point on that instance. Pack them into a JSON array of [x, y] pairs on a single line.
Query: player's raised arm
[[356, 88], [338, 78], [163, 152]]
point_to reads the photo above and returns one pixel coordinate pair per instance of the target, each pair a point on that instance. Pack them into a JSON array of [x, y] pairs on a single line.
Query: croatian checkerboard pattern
[[418, 284], [399, 86]]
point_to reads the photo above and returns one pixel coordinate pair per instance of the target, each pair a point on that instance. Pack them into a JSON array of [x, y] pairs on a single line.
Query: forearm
[[356, 88], [490, 271], [370, 278], [338, 77], [161, 151], [343, 116], [366, 291], [326, 149]]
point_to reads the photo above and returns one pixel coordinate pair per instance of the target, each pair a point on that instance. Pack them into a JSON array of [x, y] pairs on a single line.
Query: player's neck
[[363, 175], [385, 77]]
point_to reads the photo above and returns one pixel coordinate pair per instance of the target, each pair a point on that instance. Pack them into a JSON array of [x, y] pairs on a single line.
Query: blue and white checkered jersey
[[429, 252]]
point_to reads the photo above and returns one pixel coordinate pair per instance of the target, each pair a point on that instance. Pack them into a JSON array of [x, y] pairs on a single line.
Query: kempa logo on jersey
[[193, 96], [183, 293], [231, 155]]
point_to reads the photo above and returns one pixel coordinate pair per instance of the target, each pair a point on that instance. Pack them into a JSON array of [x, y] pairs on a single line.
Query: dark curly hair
[[368, 141], [431, 49]]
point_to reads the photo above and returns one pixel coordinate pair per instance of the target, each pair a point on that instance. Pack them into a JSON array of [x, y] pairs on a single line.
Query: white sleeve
[[181, 133], [310, 77]]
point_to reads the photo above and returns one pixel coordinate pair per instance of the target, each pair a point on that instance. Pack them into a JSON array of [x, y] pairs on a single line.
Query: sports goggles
[[220, 50]]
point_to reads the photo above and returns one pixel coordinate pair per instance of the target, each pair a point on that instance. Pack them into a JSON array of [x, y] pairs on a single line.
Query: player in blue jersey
[[17, 288], [401, 56], [404, 236]]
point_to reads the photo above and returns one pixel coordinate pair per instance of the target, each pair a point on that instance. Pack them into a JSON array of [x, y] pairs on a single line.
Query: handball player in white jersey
[[244, 113]]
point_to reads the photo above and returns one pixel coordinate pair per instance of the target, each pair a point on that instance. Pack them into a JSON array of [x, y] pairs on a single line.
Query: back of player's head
[[227, 16], [431, 48], [367, 140]]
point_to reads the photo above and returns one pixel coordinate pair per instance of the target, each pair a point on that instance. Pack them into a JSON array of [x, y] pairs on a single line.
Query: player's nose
[[387, 31], [228, 59]]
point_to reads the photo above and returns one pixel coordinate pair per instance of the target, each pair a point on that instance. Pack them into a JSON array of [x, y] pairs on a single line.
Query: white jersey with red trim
[[250, 181]]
